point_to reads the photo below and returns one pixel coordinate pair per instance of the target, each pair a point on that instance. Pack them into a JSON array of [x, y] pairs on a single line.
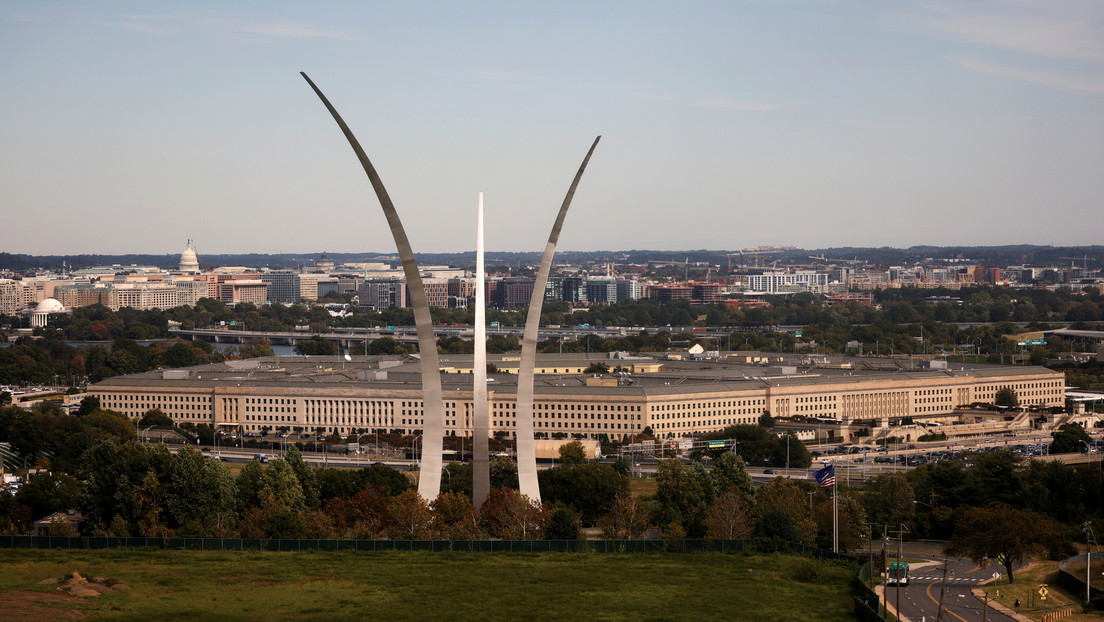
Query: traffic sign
[[1043, 591], [716, 443]]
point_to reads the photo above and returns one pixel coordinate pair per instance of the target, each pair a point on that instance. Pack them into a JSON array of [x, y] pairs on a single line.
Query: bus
[[898, 574]]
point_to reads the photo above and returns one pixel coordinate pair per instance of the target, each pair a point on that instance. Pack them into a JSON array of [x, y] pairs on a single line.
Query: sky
[[131, 126]]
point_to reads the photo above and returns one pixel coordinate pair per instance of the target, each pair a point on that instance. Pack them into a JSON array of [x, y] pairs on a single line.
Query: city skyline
[[728, 125]]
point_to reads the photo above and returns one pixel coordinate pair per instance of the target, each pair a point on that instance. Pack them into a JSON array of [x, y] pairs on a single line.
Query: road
[[920, 599]]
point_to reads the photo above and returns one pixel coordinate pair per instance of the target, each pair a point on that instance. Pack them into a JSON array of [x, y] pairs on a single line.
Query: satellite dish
[[348, 358]]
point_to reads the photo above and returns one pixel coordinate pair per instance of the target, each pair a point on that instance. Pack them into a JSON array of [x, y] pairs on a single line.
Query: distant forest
[[1089, 256]]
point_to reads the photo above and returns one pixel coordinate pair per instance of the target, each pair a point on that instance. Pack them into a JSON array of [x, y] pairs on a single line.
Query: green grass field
[[167, 585]]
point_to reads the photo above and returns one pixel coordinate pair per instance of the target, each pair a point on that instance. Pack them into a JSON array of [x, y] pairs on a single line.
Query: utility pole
[[985, 609], [900, 536], [870, 551], [942, 590], [885, 543], [1087, 526]]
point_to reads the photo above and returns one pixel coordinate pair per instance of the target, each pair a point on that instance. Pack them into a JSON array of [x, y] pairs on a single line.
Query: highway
[[920, 599]]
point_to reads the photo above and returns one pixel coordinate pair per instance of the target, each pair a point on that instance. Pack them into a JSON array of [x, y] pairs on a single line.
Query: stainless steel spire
[[481, 425], [526, 448], [433, 412]]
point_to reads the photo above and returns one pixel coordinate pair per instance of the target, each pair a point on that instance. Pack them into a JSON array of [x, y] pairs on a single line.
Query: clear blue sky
[[131, 126]]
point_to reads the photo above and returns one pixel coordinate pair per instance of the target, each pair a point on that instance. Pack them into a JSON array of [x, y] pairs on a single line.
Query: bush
[[810, 571], [562, 525]]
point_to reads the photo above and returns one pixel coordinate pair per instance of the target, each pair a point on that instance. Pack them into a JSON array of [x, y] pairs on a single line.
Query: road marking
[[928, 592]]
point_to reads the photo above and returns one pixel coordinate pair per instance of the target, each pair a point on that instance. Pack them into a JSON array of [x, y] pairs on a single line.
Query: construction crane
[[729, 256], [764, 250], [1084, 262]]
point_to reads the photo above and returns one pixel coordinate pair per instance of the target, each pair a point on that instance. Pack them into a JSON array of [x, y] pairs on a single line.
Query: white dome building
[[189, 261], [41, 315]]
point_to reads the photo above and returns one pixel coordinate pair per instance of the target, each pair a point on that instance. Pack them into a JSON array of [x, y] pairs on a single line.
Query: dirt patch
[[39, 606]]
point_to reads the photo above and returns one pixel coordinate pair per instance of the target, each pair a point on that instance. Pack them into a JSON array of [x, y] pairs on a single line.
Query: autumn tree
[[510, 515], [1003, 533], [412, 518], [454, 518], [627, 519], [729, 518]]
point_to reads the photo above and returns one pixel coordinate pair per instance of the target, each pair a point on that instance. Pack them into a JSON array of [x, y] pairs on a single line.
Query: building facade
[[384, 395]]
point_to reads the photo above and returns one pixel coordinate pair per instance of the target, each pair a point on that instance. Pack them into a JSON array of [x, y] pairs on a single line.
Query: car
[[768, 471], [205, 449]]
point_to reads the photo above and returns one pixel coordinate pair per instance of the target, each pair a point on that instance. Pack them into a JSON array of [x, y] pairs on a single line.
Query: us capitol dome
[[189, 262]]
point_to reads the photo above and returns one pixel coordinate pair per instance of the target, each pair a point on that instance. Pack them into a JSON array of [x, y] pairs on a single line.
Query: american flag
[[826, 477]]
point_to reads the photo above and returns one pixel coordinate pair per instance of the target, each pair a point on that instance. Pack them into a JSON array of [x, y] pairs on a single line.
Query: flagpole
[[835, 517]]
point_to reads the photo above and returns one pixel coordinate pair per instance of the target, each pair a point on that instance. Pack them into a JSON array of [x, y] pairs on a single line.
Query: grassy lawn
[[187, 585], [1027, 586]]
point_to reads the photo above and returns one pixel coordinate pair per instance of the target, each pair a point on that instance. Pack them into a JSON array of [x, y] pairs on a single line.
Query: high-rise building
[[379, 294], [283, 285], [629, 290], [601, 292]]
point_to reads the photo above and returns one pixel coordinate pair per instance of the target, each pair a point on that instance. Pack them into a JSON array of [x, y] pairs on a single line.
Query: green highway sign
[[716, 443]]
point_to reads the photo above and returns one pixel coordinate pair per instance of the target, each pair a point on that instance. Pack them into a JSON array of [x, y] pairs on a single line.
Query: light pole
[[787, 454]]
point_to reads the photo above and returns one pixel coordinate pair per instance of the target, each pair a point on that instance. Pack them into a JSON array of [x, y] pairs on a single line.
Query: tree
[[1006, 396], [627, 519], [155, 418], [729, 518], [572, 453], [454, 518], [280, 485], [587, 488], [784, 495], [510, 515], [46, 493], [596, 367], [1004, 533], [778, 526], [730, 473], [562, 525], [888, 500], [88, 405], [305, 474], [790, 450], [318, 346], [683, 494], [1070, 438], [413, 519], [256, 347], [766, 420]]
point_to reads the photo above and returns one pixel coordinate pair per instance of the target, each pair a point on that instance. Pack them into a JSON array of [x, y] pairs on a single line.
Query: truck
[[897, 574], [260, 458]]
